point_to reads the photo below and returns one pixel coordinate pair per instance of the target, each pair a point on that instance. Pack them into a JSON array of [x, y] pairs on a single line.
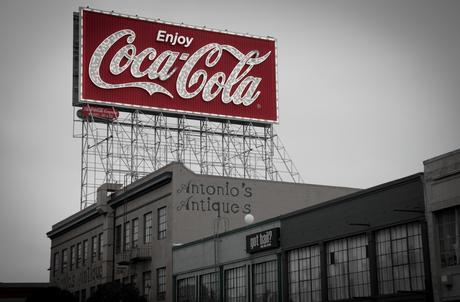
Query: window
[[77, 296], [125, 280], [134, 280], [162, 223], [448, 222], [78, 254], [209, 288], [265, 281], [92, 290], [55, 263], [135, 232], [100, 245], [72, 257], [348, 268], [161, 283], [186, 290], [127, 235], [400, 259], [94, 248], [148, 227], [64, 260], [118, 239], [146, 284], [85, 252], [304, 274], [235, 284]]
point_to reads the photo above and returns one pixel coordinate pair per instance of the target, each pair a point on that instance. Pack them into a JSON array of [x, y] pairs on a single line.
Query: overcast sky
[[367, 91]]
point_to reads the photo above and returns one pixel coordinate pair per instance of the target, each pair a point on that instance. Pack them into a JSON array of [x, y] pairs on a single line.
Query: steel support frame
[[138, 143]]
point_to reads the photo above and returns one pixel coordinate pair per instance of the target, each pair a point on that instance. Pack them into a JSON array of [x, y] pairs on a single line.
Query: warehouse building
[[370, 245]]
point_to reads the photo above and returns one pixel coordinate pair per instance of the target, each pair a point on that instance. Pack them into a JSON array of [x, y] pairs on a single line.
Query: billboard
[[136, 63]]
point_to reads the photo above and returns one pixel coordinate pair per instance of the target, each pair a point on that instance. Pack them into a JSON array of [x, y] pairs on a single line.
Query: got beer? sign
[[136, 63]]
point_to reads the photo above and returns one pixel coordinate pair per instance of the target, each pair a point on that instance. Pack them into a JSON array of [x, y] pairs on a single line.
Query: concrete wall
[[442, 191], [200, 199], [91, 273], [160, 249]]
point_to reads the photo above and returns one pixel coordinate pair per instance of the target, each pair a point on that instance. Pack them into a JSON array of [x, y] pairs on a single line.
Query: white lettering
[[98, 56], [173, 39], [161, 35], [162, 68], [254, 242]]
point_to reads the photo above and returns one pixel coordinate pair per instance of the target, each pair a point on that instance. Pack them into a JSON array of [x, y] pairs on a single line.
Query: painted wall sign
[[136, 63], [228, 198], [263, 241]]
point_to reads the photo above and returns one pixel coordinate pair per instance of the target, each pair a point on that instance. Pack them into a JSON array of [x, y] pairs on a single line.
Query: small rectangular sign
[[136, 63], [263, 241]]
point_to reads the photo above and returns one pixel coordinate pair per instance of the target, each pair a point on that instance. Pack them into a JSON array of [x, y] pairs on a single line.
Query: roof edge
[[357, 194], [445, 155], [75, 219], [140, 187]]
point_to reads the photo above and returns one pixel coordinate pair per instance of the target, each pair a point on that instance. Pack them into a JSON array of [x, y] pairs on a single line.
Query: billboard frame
[[78, 100]]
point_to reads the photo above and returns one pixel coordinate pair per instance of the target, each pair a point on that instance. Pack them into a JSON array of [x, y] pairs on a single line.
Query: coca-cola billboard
[[135, 63]]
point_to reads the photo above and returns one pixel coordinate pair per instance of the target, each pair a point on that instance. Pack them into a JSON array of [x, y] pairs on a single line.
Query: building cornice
[[75, 220], [139, 188]]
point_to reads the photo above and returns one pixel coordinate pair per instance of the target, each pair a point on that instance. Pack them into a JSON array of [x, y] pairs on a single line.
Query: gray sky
[[367, 91]]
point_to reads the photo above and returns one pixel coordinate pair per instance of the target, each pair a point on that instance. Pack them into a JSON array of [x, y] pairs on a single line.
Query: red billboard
[[136, 63]]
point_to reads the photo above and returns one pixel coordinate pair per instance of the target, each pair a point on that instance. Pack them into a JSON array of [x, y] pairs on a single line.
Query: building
[[128, 235], [442, 195], [371, 245], [19, 292]]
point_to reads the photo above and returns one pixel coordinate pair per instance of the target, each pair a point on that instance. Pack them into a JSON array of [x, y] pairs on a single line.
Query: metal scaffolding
[[137, 143]]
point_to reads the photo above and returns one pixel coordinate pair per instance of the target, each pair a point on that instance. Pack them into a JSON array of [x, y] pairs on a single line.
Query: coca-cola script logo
[[155, 65], [162, 68]]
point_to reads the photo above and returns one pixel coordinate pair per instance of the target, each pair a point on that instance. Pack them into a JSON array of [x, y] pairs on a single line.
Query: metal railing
[[133, 255]]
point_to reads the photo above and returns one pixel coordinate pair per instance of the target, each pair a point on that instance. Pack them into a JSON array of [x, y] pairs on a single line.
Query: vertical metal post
[[84, 165], [281, 269], [203, 147], [134, 145], [246, 151], [426, 260], [224, 148], [180, 144], [109, 153], [221, 283], [167, 138], [323, 270], [372, 254], [156, 142], [271, 153]]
